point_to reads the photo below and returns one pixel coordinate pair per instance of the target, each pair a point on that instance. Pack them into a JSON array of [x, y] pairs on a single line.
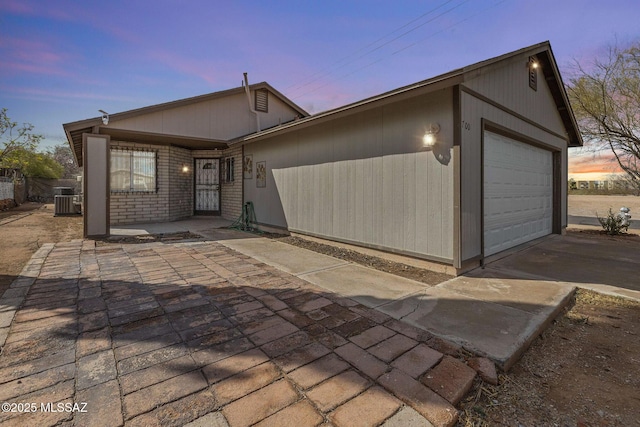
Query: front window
[[228, 169], [133, 170]]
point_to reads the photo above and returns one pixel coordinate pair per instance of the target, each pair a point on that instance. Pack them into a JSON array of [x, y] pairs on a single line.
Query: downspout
[[248, 92]]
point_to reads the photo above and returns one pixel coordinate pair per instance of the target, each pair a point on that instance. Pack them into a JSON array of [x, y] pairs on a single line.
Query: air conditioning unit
[[63, 205], [77, 203]]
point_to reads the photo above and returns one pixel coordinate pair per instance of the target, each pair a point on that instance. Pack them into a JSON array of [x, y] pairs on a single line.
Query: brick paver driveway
[[193, 332]]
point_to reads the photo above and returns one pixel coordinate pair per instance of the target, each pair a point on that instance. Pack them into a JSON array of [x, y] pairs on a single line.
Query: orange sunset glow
[[585, 165]]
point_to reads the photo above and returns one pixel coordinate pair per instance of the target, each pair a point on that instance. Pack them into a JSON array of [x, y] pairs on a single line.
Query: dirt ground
[[27, 227], [583, 371], [589, 205], [418, 274]]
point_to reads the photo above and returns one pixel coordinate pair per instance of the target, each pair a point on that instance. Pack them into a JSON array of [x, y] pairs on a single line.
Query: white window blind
[[133, 170]]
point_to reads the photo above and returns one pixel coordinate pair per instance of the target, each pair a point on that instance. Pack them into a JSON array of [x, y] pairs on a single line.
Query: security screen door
[[207, 186]]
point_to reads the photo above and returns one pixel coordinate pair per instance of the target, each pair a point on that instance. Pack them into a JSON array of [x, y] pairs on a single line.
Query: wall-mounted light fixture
[[429, 139], [105, 117], [185, 168]]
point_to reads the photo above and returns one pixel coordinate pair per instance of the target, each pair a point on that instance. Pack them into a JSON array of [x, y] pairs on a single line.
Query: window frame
[[132, 154], [228, 169]]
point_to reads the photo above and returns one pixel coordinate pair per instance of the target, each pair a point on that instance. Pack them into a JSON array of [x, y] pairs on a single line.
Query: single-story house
[[452, 169], [171, 161]]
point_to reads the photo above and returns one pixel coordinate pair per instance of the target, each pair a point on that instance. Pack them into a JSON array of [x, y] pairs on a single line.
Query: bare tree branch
[[606, 101]]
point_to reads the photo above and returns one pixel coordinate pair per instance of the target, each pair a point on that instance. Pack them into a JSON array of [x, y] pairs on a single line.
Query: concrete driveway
[[499, 310], [606, 264]]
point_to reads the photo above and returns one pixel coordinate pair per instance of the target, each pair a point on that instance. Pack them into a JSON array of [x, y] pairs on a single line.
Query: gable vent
[[262, 100], [533, 73]]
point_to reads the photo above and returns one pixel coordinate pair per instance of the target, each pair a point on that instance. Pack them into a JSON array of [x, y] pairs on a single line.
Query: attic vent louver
[[262, 100], [533, 73]]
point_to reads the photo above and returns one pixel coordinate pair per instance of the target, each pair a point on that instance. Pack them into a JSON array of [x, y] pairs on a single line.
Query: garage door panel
[[518, 193]]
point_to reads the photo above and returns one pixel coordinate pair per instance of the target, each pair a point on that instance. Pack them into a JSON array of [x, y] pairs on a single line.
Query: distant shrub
[[613, 224]]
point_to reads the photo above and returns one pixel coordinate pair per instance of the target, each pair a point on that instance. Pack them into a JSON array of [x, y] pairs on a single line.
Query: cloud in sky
[[33, 57], [16, 7], [583, 161], [58, 95], [121, 54]]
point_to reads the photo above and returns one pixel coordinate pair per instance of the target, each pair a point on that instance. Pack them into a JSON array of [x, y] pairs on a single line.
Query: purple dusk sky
[[61, 61]]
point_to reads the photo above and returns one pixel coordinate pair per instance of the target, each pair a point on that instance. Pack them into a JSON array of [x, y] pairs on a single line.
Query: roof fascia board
[[406, 92], [126, 133], [70, 142], [182, 102], [456, 76], [565, 98], [284, 99], [69, 127], [573, 132], [489, 63]]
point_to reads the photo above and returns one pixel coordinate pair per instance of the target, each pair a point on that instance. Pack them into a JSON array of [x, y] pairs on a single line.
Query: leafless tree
[[605, 97]]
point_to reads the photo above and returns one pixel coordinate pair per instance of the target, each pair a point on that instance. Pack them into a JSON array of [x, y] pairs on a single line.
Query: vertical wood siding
[[364, 178], [507, 83]]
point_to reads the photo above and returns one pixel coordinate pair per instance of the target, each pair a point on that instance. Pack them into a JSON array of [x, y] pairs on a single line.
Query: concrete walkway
[[198, 334], [496, 312], [488, 312]]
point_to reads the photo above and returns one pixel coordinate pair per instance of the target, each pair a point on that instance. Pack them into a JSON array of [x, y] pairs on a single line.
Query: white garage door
[[518, 193]]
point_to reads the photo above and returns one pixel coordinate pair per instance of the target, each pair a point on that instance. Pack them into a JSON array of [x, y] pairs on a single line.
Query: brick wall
[[180, 183], [206, 154], [231, 202], [175, 196], [130, 208]]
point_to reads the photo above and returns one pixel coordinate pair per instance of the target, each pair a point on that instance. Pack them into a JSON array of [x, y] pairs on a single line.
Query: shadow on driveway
[[166, 333], [163, 334], [603, 263]]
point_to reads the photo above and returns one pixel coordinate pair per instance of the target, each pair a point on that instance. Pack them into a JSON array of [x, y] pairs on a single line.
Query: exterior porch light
[[105, 117], [185, 168], [429, 139]]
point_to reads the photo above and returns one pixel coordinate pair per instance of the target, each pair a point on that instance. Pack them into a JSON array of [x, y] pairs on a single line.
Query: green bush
[[613, 224]]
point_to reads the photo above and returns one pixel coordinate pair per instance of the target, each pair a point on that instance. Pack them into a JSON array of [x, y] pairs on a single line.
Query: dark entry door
[[207, 186]]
